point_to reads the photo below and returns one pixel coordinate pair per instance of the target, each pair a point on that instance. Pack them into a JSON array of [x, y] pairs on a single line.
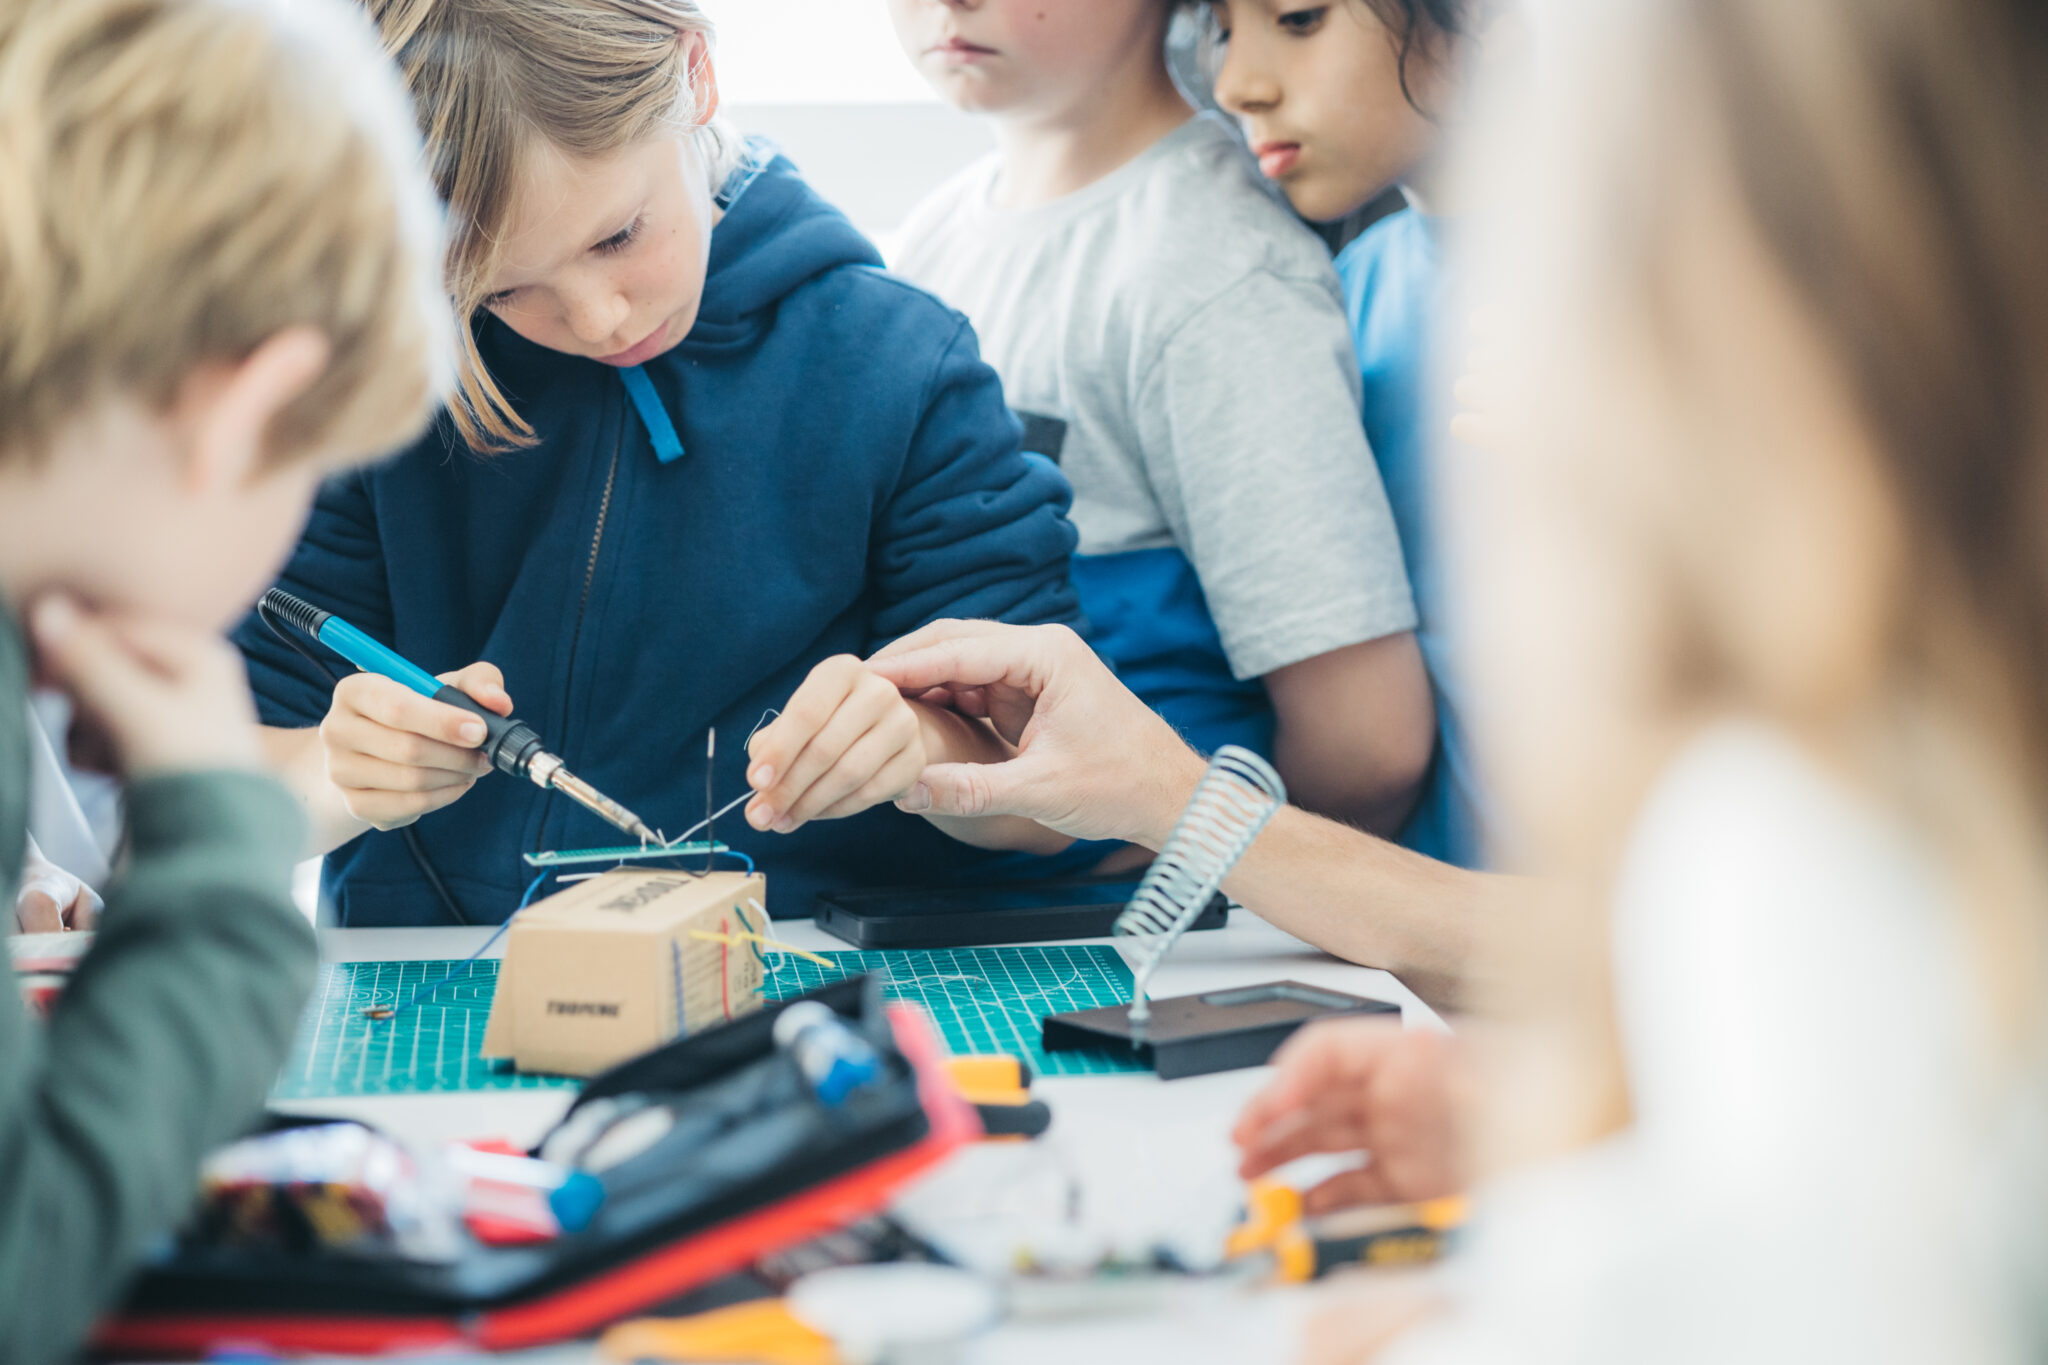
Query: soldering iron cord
[[410, 836]]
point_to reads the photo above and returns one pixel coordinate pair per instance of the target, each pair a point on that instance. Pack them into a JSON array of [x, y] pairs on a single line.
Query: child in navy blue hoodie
[[706, 457]]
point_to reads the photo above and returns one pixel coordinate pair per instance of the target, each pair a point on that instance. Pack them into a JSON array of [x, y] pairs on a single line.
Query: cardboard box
[[623, 963]]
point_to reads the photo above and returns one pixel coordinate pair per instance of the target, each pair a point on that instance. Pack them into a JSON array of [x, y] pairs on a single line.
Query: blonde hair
[[490, 78], [1777, 273], [182, 179]]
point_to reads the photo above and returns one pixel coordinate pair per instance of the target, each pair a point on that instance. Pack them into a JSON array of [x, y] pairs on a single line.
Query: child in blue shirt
[[1176, 340], [707, 455], [1339, 102]]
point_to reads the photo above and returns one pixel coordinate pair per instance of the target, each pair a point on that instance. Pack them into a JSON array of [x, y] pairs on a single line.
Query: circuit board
[[982, 1000]]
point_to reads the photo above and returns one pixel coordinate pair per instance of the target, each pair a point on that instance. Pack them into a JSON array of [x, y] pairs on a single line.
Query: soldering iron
[[510, 744]]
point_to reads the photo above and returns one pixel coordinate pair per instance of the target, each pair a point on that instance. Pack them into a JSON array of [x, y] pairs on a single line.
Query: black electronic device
[[973, 916], [1191, 1035]]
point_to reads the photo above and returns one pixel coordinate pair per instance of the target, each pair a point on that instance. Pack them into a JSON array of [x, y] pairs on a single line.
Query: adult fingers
[[938, 632], [85, 910], [1015, 658], [972, 790]]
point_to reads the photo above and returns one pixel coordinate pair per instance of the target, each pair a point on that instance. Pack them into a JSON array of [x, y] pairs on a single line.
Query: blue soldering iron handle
[[509, 743], [373, 657]]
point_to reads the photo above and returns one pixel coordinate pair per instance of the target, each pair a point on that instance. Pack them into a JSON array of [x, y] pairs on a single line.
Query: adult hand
[[1093, 761], [1361, 1085], [396, 755]]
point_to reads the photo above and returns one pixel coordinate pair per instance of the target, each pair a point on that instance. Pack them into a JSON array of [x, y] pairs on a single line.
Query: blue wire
[[496, 934]]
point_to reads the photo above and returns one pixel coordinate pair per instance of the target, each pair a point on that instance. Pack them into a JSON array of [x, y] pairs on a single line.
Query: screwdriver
[[511, 744]]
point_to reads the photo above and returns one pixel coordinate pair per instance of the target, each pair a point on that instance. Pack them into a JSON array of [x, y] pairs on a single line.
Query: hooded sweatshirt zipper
[[604, 507]]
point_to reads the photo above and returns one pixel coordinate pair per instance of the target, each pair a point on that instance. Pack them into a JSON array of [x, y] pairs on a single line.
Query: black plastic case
[[974, 916], [754, 1164]]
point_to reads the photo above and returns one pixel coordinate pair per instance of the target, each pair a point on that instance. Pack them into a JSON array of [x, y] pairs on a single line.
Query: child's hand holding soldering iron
[[396, 755]]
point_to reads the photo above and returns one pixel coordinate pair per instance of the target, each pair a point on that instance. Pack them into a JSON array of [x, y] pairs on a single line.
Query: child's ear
[[703, 76], [227, 409]]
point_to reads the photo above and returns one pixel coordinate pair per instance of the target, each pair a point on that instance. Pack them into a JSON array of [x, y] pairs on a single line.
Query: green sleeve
[[161, 1048]]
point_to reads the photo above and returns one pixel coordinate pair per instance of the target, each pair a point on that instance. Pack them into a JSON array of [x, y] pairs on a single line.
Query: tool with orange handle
[[999, 1088], [1303, 1248]]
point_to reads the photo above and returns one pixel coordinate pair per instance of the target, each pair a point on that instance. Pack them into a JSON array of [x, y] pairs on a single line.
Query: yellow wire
[[747, 936]]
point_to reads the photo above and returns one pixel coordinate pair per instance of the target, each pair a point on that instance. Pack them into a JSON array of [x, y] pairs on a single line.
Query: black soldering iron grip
[[295, 611], [509, 743]]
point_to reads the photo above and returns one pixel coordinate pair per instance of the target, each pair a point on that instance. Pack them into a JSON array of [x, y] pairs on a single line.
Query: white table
[[1144, 1153]]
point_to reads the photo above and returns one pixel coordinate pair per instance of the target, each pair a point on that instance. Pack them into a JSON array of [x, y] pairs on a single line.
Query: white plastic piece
[[897, 1314]]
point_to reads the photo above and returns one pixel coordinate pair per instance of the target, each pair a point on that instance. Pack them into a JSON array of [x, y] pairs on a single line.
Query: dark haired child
[[1340, 102], [1176, 340]]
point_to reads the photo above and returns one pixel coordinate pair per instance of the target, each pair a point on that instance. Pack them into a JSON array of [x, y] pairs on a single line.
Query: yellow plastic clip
[[762, 1332], [994, 1079], [1270, 1209]]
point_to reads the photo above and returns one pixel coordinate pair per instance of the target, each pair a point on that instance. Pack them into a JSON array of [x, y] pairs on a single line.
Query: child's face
[[1023, 56], [172, 515], [606, 258], [1318, 90]]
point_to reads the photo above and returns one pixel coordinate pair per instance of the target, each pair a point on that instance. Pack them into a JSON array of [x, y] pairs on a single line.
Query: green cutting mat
[[987, 999], [431, 1047], [982, 1000]]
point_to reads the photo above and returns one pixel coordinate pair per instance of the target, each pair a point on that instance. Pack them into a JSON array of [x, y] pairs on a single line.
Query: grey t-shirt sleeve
[[1248, 419]]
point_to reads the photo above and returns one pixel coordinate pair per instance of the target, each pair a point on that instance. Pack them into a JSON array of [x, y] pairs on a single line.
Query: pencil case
[[714, 1152]]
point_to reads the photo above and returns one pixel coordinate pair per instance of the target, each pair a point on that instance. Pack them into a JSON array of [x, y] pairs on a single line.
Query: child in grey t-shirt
[[1176, 341]]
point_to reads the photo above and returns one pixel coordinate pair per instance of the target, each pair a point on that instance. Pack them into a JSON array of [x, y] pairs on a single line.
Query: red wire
[[724, 952]]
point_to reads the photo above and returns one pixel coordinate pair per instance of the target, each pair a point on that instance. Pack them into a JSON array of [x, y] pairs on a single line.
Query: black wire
[[409, 835], [710, 803]]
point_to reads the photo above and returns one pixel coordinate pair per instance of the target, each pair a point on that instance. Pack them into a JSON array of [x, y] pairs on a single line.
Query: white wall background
[[825, 79]]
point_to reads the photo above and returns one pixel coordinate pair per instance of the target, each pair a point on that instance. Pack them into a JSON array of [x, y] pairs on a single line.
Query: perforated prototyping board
[[982, 1000]]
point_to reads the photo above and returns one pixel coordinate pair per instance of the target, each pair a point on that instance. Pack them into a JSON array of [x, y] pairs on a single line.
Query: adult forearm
[[1370, 901], [1348, 893], [300, 762]]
